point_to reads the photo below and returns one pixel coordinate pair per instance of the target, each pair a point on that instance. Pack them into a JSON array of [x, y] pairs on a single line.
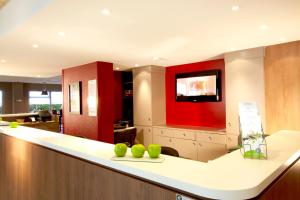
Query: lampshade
[[45, 92]]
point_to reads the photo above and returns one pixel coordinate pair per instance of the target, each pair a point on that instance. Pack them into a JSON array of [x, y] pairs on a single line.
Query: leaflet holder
[[252, 138]]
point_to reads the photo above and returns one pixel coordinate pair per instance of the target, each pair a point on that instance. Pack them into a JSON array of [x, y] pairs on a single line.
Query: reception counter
[[38, 164]]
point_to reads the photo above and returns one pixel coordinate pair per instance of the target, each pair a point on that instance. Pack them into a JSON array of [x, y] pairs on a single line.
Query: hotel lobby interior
[[149, 100]]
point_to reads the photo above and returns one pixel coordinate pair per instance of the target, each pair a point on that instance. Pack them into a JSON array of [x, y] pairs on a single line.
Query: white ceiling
[[177, 31]]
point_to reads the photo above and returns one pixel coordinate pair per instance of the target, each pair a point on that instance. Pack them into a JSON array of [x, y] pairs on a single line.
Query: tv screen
[[198, 86]]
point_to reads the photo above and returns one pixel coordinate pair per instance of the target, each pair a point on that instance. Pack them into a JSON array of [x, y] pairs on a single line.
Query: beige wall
[[15, 95], [6, 88], [244, 71]]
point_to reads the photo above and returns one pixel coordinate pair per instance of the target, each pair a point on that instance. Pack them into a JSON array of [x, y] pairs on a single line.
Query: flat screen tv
[[203, 86]]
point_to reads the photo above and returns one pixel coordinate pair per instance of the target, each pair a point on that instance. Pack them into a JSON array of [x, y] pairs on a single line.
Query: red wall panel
[[207, 114], [84, 125], [105, 102]]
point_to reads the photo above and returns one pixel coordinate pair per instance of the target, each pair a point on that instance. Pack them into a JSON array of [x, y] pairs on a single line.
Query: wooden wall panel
[[282, 86], [286, 187], [32, 172]]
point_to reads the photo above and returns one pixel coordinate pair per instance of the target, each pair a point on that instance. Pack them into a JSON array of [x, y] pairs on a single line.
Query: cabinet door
[[142, 97], [186, 148], [144, 135], [209, 151], [232, 141], [148, 136], [163, 141]]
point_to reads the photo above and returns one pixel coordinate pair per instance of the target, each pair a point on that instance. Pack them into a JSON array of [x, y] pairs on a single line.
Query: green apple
[[120, 149], [138, 150], [154, 150]]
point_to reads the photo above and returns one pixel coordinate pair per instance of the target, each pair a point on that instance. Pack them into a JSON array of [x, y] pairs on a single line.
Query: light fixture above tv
[[203, 86]]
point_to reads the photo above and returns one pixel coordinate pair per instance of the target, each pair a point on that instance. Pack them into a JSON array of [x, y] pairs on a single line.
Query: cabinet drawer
[[213, 138], [183, 134], [163, 132]]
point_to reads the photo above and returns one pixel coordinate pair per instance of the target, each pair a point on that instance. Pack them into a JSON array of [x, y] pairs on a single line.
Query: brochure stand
[[253, 141]]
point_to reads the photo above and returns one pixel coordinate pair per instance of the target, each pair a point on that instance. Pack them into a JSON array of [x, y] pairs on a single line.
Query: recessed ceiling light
[[136, 65], [106, 12], [62, 34], [35, 46], [117, 68], [155, 58], [235, 8], [282, 39], [3, 61], [232, 49], [263, 27], [39, 76]]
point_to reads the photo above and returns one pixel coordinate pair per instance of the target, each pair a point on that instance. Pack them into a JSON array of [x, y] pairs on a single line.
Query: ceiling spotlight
[[106, 12], [282, 39], [3, 61], [35, 46], [62, 34], [155, 58], [38, 76], [263, 27], [136, 65], [232, 49], [117, 68], [235, 8]]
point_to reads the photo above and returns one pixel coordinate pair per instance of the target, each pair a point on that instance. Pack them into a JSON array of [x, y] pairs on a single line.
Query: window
[[1, 104], [56, 100], [37, 101]]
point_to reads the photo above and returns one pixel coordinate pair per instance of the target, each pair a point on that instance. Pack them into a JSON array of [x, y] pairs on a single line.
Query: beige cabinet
[[186, 148], [191, 144], [144, 135], [232, 141], [164, 141], [210, 146], [149, 105], [209, 151]]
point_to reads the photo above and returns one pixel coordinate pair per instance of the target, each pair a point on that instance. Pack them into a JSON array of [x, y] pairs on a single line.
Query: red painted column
[[99, 127]]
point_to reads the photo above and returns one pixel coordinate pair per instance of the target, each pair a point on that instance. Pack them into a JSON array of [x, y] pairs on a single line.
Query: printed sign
[[251, 131]]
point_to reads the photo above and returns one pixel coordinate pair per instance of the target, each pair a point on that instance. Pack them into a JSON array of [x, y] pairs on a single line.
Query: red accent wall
[[118, 95], [99, 127], [207, 114]]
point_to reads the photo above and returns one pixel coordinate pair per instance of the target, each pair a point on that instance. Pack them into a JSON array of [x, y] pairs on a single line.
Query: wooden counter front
[[32, 172]]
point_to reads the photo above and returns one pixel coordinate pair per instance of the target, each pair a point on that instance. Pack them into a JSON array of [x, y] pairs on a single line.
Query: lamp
[[45, 92]]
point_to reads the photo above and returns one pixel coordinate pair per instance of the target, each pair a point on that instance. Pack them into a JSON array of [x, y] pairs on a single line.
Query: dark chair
[[126, 136], [169, 151], [45, 115]]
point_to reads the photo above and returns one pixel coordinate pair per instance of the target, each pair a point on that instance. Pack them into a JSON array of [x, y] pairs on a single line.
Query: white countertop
[[228, 177]]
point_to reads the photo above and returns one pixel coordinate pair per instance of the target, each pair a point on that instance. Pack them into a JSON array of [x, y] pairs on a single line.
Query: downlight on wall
[[235, 8], [106, 12]]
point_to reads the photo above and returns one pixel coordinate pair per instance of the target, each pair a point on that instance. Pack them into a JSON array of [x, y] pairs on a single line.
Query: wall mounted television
[[203, 86]]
